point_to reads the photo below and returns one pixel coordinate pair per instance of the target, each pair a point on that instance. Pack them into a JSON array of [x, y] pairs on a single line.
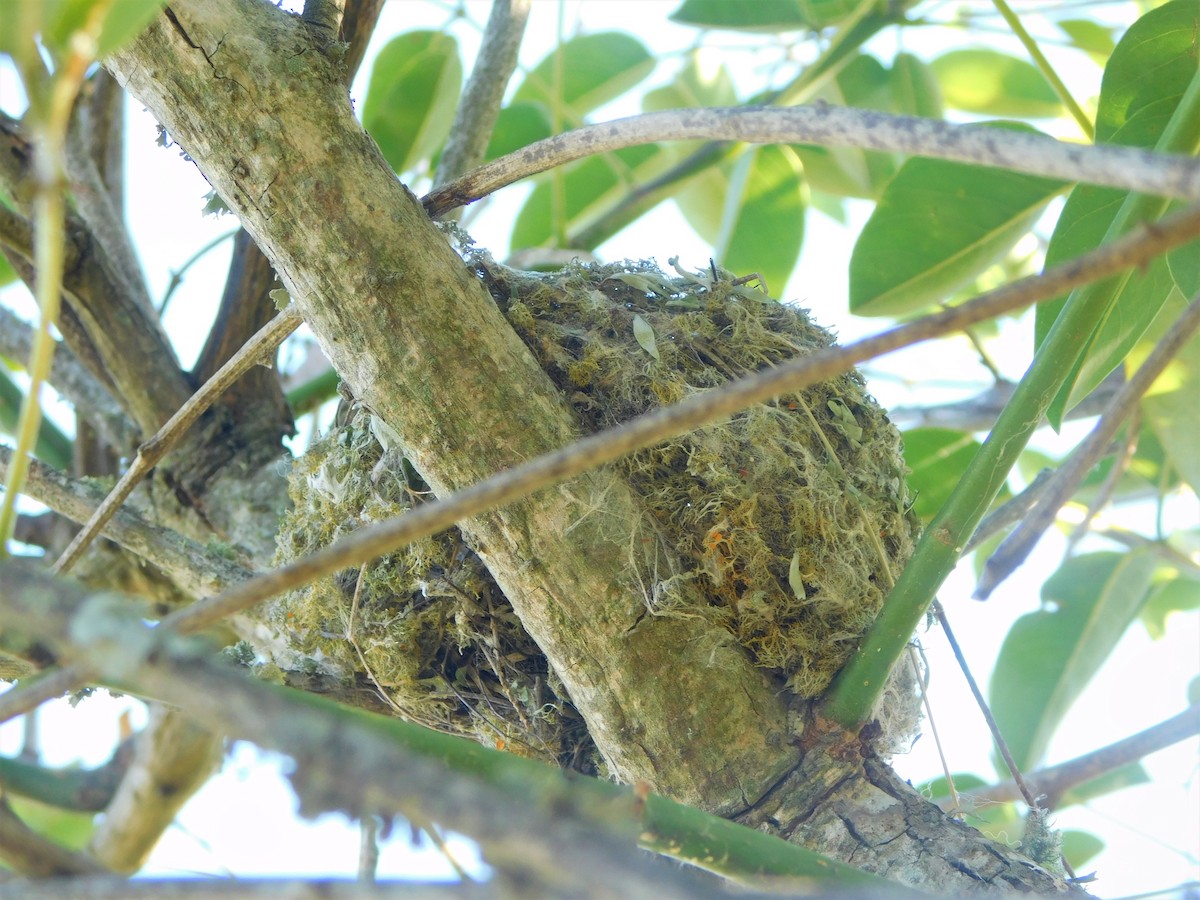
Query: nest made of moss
[[793, 515], [791, 518], [425, 627]]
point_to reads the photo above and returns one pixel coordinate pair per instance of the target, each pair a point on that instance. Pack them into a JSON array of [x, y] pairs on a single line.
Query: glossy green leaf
[[586, 72], [412, 95], [994, 84], [915, 88], [1049, 656], [936, 459], [1080, 847], [769, 16], [1169, 406], [1151, 70], [584, 191], [1176, 595], [863, 83], [762, 225], [701, 198], [518, 125], [1118, 779], [937, 226], [1090, 36]]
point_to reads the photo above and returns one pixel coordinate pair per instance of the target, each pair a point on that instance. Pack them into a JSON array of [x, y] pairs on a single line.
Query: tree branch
[[1053, 782], [349, 761], [694, 412], [833, 126], [481, 98], [263, 343], [1066, 480], [90, 398]]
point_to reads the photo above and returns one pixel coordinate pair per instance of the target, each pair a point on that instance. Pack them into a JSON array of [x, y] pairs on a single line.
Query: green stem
[[853, 693], [52, 446], [1047, 70]]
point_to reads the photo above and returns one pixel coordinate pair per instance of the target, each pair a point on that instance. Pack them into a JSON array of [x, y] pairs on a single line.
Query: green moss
[[793, 514], [425, 627], [791, 517]]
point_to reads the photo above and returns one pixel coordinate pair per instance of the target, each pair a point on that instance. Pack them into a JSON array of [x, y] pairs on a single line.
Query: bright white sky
[[243, 822]]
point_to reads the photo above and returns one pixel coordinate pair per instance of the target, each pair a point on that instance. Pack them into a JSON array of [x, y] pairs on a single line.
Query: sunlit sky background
[[243, 821]]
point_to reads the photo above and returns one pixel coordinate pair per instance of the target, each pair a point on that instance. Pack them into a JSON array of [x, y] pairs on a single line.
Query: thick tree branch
[[834, 126], [345, 760], [172, 759], [414, 334], [103, 286]]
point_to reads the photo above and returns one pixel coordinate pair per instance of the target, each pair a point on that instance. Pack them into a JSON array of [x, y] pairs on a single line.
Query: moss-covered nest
[[794, 514], [425, 627], [792, 517]]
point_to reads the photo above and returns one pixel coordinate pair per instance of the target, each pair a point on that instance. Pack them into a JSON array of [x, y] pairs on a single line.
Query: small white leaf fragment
[[645, 336], [794, 579]]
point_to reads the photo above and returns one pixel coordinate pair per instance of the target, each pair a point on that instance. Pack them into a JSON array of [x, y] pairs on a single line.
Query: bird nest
[[792, 516]]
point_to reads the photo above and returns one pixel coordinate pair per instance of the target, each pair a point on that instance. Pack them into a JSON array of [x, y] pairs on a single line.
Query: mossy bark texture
[[243, 88]]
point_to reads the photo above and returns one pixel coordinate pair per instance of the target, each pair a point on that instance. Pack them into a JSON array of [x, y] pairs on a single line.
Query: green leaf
[[589, 188], [1193, 691], [762, 224], [518, 125], [1091, 37], [1127, 775], [915, 88], [1151, 70], [1079, 847], [862, 83], [936, 459], [1176, 595], [1169, 406], [7, 275], [643, 333], [937, 226], [586, 72], [411, 96], [1049, 656], [64, 827], [769, 16], [994, 84]]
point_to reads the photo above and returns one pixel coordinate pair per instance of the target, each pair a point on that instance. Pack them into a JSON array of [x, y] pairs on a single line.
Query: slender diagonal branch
[[834, 126], [192, 568], [481, 98], [269, 337], [700, 409], [1053, 782], [1064, 482]]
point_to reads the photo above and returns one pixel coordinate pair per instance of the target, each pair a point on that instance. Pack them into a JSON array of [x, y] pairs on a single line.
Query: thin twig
[[481, 98], [955, 809], [1052, 782], [1064, 482], [694, 412], [833, 126], [269, 337], [1120, 465], [1026, 794], [189, 565]]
